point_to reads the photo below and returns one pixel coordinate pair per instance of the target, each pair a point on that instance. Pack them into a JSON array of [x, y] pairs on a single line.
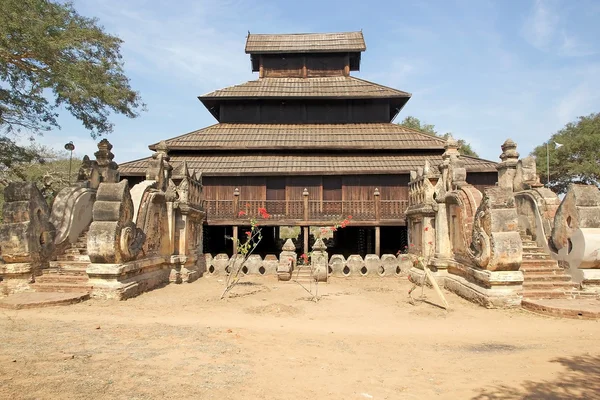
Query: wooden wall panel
[[282, 66], [327, 65], [296, 184], [362, 187]]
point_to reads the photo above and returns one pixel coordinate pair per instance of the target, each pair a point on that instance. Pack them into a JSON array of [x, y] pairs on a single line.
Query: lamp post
[[558, 146], [70, 147]]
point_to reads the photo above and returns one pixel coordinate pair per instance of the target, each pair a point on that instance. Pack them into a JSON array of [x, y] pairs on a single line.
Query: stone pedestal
[[123, 281]]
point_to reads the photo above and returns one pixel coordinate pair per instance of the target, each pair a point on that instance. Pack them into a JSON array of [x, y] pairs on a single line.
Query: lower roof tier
[[282, 164], [374, 136]]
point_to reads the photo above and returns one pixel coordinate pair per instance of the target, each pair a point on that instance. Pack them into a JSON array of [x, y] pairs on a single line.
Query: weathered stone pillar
[[319, 261], [508, 167], [378, 241], [287, 261], [26, 237], [442, 235]]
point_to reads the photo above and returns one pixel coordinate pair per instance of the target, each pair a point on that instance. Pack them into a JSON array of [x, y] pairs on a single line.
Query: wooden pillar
[[378, 241], [347, 66], [304, 69], [306, 232], [235, 240], [305, 197], [236, 202], [377, 205]]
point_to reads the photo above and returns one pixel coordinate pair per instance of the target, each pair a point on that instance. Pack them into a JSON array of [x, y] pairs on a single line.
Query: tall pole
[[70, 147], [548, 163]]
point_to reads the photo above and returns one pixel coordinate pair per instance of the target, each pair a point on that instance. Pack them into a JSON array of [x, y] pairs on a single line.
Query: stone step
[[532, 273], [578, 294], [526, 269], [73, 268], [536, 256], [538, 263], [548, 285], [547, 278], [73, 257], [62, 278], [545, 294], [61, 287], [20, 301]]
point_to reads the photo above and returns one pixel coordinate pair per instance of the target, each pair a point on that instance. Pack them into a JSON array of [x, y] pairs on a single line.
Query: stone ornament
[[113, 237]]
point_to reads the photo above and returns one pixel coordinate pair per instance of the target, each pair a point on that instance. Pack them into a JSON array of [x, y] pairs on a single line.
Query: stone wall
[[373, 266]]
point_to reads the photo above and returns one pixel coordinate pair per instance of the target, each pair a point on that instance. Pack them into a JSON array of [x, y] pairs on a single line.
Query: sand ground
[[362, 340]]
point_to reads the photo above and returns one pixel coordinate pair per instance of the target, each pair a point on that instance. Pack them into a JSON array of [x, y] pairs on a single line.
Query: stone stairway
[[67, 274], [542, 277], [302, 274]]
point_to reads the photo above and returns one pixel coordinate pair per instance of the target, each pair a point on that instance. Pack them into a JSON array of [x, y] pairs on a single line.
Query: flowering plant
[[244, 248]]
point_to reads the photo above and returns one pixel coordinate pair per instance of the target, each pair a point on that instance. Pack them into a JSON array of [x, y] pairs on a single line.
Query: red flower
[[249, 233], [344, 224], [429, 243], [426, 228], [304, 257], [412, 245], [263, 212], [241, 213], [333, 228], [349, 216]]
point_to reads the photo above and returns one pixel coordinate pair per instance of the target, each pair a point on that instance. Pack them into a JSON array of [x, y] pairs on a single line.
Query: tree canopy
[[48, 169], [415, 123], [51, 57], [573, 153]]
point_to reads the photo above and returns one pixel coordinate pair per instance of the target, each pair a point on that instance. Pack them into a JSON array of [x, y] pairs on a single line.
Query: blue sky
[[483, 70]]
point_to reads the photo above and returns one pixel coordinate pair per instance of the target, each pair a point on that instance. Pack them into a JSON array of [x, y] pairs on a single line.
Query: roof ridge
[[302, 33]]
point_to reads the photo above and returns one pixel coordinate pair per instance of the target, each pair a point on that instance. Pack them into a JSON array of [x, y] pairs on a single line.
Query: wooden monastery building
[[310, 143]]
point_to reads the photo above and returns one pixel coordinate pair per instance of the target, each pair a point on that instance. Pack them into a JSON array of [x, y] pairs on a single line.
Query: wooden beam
[[378, 241], [235, 239], [306, 232]]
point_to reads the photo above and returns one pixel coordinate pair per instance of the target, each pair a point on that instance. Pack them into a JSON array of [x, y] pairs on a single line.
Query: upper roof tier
[[342, 42], [323, 87]]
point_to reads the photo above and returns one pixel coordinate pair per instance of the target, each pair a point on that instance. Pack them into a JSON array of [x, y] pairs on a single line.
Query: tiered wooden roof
[[344, 137], [305, 43], [320, 87], [234, 149], [308, 164]]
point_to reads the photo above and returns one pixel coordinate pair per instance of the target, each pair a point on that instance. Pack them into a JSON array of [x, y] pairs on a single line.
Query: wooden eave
[[257, 164], [301, 137]]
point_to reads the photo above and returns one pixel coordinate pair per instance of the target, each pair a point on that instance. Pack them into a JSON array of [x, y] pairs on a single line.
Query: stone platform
[[20, 301], [565, 308]]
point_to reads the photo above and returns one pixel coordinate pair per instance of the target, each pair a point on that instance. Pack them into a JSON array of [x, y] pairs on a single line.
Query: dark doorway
[[352, 240], [393, 239], [217, 240]]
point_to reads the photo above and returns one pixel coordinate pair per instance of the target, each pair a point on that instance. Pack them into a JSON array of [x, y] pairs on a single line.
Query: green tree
[[415, 123], [48, 169], [51, 57], [573, 154]]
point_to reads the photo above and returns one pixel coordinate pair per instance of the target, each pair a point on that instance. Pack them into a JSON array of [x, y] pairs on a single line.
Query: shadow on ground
[[580, 380]]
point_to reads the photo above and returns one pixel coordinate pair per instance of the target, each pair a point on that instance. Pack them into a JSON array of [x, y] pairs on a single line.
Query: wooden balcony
[[305, 212]]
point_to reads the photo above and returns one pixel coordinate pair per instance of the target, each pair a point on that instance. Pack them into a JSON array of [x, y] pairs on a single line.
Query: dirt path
[[361, 341]]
